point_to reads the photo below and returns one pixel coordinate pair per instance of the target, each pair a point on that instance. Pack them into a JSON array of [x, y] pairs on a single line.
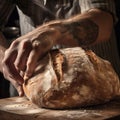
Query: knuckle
[[25, 44], [36, 44], [6, 59], [5, 62], [14, 43]]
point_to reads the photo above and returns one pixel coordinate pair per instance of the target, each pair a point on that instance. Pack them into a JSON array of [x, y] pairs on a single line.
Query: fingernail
[[20, 94], [26, 77]]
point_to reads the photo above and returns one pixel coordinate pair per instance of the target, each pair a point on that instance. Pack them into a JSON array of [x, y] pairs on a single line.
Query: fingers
[[21, 58], [39, 48], [31, 64], [31, 50], [20, 62], [9, 68], [10, 72]]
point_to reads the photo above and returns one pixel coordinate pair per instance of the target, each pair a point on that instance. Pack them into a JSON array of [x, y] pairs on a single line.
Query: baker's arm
[[91, 27], [84, 29]]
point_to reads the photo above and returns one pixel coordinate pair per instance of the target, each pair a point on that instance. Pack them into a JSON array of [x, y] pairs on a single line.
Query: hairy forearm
[[82, 30], [89, 28]]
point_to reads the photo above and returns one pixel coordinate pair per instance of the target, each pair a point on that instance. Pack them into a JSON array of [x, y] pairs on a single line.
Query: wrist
[[63, 35]]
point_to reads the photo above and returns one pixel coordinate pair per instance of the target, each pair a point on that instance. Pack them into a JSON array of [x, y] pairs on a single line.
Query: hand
[[22, 56]]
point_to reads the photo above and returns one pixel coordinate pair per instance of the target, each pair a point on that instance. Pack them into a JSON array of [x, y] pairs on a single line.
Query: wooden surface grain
[[19, 108]]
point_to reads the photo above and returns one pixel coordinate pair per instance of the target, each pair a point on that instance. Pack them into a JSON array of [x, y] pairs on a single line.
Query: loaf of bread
[[70, 78]]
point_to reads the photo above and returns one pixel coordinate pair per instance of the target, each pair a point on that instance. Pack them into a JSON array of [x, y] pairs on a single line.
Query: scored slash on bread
[[70, 78]]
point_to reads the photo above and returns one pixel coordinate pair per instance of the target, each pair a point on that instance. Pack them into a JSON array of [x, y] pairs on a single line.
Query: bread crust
[[70, 78]]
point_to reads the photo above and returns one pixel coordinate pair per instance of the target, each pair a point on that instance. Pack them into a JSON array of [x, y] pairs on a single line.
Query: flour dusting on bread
[[72, 77]]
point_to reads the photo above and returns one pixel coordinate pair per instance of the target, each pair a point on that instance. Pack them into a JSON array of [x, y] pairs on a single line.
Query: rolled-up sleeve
[[6, 7], [106, 5]]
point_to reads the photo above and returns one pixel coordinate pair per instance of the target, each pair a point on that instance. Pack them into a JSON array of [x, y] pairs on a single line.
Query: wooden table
[[19, 108]]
